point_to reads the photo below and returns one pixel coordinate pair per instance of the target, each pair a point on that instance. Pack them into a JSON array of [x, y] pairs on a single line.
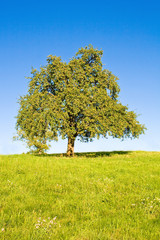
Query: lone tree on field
[[73, 100]]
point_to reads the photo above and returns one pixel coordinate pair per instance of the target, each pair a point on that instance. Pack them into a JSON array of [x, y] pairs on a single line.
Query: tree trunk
[[70, 147]]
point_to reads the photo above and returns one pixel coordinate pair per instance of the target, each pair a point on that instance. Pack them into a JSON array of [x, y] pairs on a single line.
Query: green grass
[[89, 197]]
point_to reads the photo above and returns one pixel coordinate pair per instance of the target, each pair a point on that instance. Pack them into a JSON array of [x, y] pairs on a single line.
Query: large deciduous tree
[[73, 100]]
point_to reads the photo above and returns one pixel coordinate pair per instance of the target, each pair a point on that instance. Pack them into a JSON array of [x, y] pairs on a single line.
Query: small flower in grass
[[133, 204], [45, 224], [3, 229], [37, 225]]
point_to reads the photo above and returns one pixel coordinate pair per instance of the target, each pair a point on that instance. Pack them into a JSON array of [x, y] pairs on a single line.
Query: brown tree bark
[[70, 147]]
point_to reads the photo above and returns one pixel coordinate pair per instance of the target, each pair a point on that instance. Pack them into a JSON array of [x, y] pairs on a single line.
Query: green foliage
[[95, 196], [74, 100]]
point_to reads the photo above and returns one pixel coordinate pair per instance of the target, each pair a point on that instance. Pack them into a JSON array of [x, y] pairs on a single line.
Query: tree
[[73, 100]]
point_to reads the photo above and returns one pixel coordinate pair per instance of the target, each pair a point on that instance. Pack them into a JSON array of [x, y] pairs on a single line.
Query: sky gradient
[[127, 31]]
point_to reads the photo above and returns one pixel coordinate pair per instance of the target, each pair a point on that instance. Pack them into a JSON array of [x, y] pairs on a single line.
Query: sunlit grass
[[91, 196]]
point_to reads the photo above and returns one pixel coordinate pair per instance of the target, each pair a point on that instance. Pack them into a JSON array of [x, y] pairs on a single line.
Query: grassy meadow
[[92, 196]]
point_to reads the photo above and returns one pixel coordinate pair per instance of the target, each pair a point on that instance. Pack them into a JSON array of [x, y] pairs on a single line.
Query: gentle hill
[[104, 195]]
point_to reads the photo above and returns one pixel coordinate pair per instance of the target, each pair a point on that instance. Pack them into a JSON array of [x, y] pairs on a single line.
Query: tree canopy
[[74, 100]]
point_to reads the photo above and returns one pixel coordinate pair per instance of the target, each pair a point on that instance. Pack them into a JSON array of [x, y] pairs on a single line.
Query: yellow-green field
[[89, 197]]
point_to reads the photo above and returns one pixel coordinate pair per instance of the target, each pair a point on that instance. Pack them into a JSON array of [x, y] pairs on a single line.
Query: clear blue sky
[[127, 31]]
